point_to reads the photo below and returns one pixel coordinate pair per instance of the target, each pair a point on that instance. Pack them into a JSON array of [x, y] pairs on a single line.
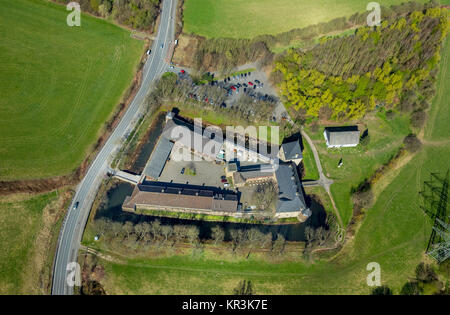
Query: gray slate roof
[[292, 150], [290, 197], [338, 136], [158, 158]]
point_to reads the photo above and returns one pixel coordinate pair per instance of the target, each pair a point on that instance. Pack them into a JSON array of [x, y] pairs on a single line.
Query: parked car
[[182, 71], [224, 180], [226, 185], [149, 52], [182, 170], [250, 83]]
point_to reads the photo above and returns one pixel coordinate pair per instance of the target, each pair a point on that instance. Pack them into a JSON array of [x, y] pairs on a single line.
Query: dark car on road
[[182, 170]]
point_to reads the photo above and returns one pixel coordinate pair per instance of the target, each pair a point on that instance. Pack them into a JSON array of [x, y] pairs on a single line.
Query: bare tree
[[102, 226], [166, 231], [218, 234], [140, 230], [155, 227], [128, 228], [265, 195], [279, 243], [179, 233], [192, 234], [309, 234], [267, 240]]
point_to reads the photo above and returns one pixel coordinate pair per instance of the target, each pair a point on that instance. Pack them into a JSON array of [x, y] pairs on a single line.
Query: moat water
[[146, 149], [112, 209]]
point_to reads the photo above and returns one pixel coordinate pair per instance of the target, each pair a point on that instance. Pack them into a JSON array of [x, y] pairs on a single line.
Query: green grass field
[[59, 86], [249, 18], [394, 234], [386, 136], [311, 172], [21, 219]]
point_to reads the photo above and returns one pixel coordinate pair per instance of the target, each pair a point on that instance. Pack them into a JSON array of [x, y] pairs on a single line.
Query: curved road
[[75, 220]]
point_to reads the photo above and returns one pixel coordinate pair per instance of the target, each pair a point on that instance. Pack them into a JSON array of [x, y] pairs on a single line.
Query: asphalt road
[[75, 220]]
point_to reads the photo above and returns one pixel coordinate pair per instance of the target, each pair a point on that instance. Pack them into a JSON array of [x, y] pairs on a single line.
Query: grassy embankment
[[61, 84], [29, 227]]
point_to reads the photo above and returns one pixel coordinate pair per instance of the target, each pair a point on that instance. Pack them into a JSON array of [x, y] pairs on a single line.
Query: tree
[[218, 234], [128, 228], [267, 240], [238, 238], [381, 290], [362, 197], [279, 243], [155, 227], [116, 228], [309, 234], [179, 232], [265, 195], [425, 273], [412, 143], [102, 226], [254, 237], [411, 288], [166, 231], [418, 119], [141, 229], [192, 234]]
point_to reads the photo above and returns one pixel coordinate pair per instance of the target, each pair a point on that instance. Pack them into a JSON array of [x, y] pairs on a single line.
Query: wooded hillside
[[390, 65]]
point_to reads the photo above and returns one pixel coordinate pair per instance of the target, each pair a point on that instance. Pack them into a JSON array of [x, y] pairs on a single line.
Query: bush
[[418, 119], [362, 197], [390, 114], [411, 288], [412, 143], [381, 290], [425, 273]]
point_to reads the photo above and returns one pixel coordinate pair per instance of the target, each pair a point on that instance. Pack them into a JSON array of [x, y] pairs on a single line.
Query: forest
[[391, 66], [227, 53]]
